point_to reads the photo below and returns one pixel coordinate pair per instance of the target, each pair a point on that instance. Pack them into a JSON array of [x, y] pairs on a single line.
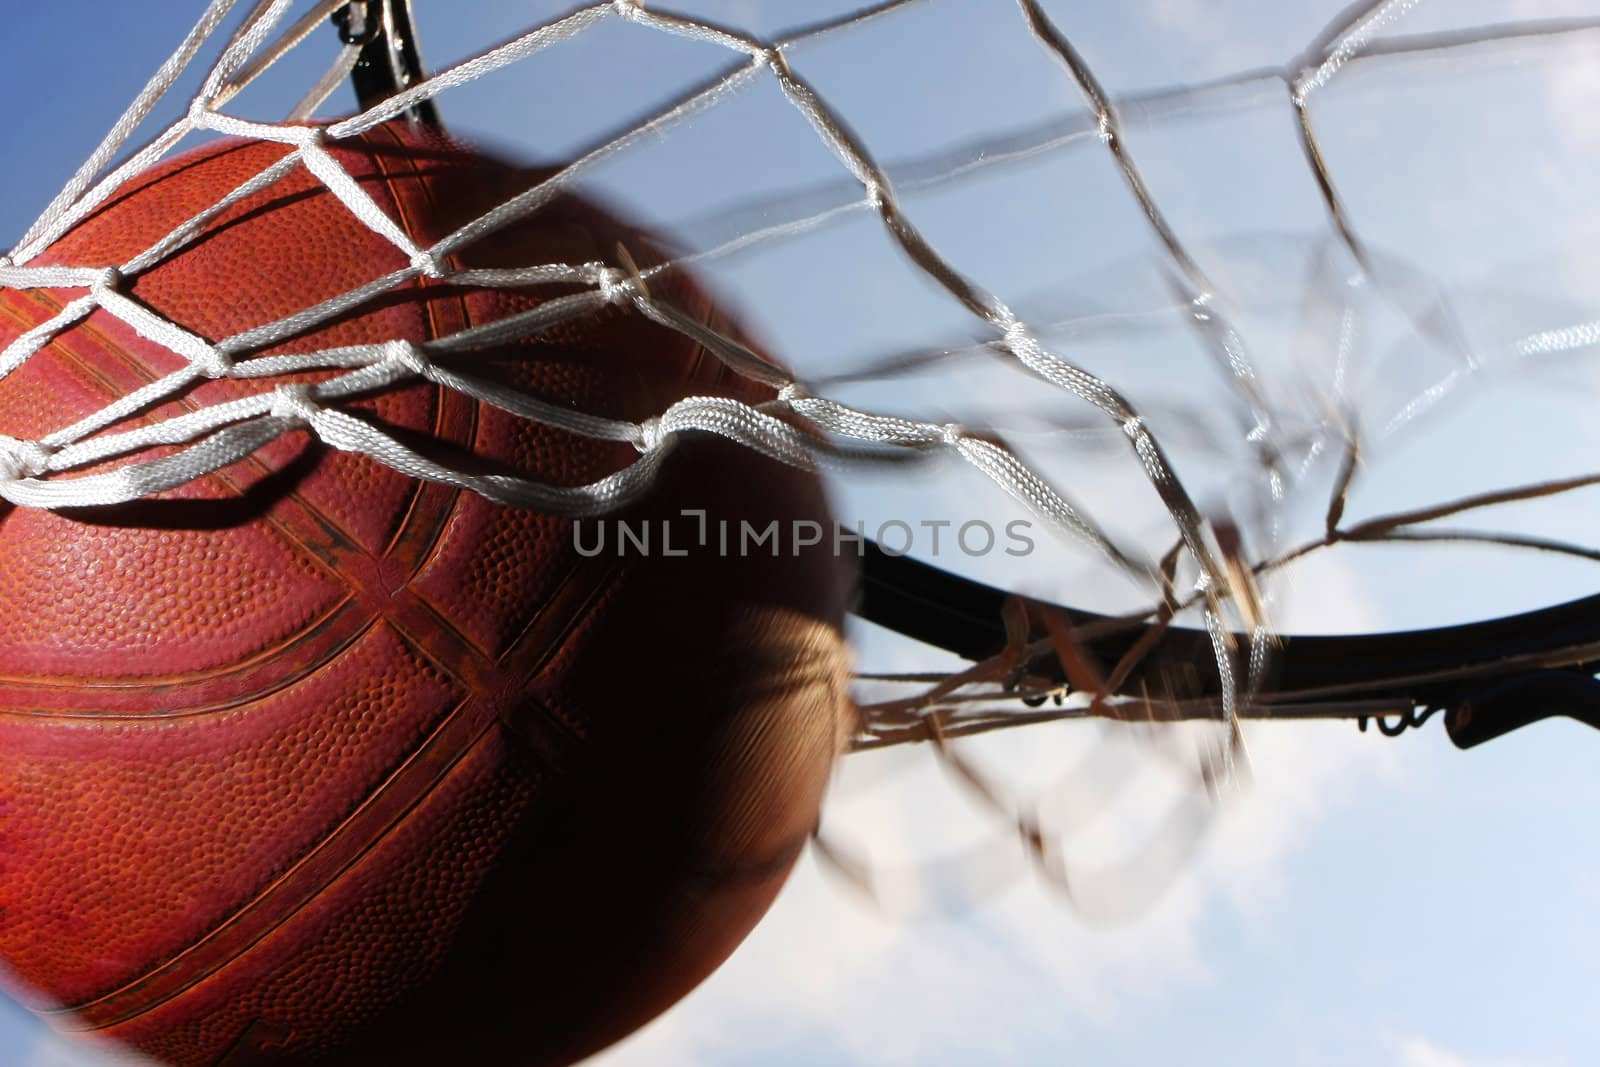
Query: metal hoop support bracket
[[390, 59]]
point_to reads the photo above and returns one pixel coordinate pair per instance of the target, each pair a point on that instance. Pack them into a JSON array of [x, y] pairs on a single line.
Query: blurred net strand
[[229, 432], [1219, 337], [1040, 829], [1042, 826], [816, 206], [807, 207]]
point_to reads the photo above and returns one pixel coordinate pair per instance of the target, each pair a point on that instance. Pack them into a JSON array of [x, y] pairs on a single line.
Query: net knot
[[951, 433], [22, 459], [408, 355], [293, 402], [1017, 338], [650, 435], [306, 136], [422, 259], [109, 279], [1301, 85], [628, 9], [774, 58], [212, 362], [792, 393], [616, 286]]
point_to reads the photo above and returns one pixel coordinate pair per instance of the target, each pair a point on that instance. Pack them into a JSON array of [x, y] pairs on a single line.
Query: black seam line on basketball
[[435, 657], [174, 684], [603, 580], [291, 545], [292, 542], [545, 744], [430, 551], [600, 581], [285, 882], [204, 154], [251, 1047], [295, 544], [298, 543], [338, 532], [448, 504], [113, 350], [429, 556], [465, 648]]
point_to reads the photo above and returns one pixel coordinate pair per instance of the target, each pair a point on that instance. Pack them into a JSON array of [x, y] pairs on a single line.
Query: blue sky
[[1364, 901]]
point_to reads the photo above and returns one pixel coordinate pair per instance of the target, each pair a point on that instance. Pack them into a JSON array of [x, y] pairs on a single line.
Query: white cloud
[[1417, 1052], [1414, 1051]]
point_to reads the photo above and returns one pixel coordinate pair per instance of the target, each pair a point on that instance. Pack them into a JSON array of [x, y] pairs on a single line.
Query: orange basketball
[[309, 760]]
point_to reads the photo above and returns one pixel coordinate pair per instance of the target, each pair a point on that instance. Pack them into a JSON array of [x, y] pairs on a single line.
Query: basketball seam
[[284, 881]]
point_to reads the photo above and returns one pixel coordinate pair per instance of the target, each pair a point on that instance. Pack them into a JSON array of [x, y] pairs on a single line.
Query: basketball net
[[106, 460]]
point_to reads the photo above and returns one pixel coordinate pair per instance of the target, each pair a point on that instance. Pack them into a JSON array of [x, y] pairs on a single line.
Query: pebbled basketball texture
[[311, 762]]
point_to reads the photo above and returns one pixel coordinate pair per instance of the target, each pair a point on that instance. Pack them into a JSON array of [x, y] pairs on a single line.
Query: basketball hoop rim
[[963, 616]]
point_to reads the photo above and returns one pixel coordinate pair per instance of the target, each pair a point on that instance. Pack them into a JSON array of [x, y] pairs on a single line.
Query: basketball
[[310, 760]]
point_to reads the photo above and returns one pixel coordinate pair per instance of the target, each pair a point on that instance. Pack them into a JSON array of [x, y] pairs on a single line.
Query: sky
[[1362, 900]]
